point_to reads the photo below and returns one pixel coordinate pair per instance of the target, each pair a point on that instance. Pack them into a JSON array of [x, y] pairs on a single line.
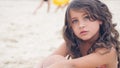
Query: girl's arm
[[58, 55], [92, 60], [95, 59]]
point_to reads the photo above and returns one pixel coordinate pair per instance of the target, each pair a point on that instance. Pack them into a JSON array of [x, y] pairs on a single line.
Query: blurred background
[[26, 38]]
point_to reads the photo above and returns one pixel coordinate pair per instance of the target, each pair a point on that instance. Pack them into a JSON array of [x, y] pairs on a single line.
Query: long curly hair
[[109, 36]]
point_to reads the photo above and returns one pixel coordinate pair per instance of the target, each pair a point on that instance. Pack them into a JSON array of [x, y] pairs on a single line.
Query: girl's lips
[[83, 32]]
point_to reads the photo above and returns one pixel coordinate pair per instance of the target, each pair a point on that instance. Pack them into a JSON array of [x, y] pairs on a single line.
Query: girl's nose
[[81, 26]]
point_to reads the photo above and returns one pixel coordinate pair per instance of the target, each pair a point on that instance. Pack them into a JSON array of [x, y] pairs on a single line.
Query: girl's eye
[[74, 21]]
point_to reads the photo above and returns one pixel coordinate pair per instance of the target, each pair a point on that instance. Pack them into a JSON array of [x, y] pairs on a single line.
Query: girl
[[91, 40]]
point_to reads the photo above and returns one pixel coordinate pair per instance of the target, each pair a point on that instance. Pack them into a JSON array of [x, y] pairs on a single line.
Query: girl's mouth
[[83, 32]]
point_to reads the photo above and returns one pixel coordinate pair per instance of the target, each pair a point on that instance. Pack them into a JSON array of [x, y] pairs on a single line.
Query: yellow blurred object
[[60, 2]]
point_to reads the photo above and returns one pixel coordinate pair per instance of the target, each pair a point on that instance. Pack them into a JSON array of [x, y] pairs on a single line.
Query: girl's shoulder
[[103, 51], [109, 56]]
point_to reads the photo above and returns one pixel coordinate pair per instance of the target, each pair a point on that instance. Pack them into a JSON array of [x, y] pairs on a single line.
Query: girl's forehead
[[78, 11]]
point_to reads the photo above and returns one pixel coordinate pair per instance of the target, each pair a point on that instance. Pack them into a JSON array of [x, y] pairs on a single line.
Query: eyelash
[[85, 17], [74, 21]]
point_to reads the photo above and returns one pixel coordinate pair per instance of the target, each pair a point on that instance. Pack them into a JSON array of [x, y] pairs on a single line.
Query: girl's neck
[[86, 45]]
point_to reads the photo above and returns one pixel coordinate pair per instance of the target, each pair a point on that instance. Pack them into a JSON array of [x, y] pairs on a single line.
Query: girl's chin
[[85, 39]]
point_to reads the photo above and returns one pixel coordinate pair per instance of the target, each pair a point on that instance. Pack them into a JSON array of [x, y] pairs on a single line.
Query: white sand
[[25, 38]]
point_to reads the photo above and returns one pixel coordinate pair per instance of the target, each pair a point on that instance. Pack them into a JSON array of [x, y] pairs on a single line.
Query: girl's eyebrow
[[74, 18], [84, 14]]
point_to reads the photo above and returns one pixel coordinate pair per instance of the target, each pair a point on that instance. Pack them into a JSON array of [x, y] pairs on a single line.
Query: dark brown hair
[[97, 11]]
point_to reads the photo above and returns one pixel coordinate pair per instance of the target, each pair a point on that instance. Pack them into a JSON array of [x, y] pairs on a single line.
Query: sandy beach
[[25, 39]]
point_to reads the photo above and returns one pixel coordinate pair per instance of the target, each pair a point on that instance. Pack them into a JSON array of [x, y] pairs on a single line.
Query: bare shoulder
[[105, 56], [105, 53], [109, 56]]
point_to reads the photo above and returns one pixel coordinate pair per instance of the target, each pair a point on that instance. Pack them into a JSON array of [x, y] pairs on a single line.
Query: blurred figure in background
[[40, 5], [60, 4]]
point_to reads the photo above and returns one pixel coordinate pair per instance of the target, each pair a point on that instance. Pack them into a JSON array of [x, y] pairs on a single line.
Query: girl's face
[[82, 25]]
